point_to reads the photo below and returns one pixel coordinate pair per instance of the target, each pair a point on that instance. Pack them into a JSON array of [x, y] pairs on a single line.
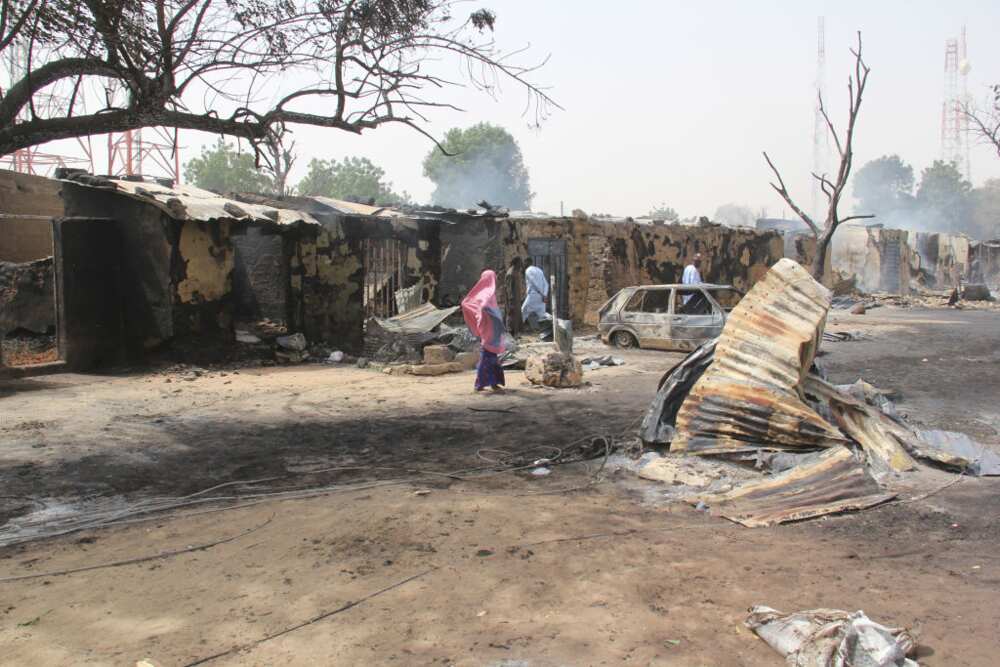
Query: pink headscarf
[[482, 313]]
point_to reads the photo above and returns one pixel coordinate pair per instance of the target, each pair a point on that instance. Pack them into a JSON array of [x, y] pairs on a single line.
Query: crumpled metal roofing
[[834, 482], [421, 319], [751, 395], [186, 202]]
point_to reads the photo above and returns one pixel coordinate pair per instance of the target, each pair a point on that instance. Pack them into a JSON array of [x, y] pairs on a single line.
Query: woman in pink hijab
[[485, 321]]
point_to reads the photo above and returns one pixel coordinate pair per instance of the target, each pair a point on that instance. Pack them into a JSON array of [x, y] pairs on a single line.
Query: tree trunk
[[819, 260]]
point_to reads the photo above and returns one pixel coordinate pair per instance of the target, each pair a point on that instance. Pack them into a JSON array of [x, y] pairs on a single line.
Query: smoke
[[483, 177]]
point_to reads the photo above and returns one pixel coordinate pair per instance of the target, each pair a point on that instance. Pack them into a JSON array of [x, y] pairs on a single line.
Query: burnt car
[[666, 317]]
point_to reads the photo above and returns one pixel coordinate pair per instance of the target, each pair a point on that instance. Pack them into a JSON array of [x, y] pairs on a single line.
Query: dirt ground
[[507, 569]]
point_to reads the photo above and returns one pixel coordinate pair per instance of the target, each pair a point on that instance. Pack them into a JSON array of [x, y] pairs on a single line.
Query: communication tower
[[32, 160], [821, 140], [954, 122]]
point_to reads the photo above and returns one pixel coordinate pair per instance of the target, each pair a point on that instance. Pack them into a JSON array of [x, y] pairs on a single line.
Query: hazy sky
[[674, 102]]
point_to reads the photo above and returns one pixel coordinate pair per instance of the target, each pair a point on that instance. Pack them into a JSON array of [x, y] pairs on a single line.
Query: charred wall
[[604, 257]]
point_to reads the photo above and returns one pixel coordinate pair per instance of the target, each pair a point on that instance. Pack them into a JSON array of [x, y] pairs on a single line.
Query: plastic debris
[[336, 357], [831, 638]]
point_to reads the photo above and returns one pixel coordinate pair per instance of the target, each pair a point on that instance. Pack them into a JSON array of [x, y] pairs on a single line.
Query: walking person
[[482, 315], [691, 275], [537, 288]]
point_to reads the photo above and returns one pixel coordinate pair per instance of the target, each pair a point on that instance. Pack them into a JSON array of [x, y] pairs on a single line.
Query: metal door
[[550, 256]]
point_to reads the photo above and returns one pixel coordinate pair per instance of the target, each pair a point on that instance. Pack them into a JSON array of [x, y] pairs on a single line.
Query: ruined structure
[[139, 264], [593, 259]]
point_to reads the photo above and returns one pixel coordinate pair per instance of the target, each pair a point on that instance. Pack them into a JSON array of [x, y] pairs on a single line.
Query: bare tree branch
[[834, 188], [783, 191], [363, 60]]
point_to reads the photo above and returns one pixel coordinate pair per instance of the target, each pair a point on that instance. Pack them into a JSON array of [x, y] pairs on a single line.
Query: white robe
[[538, 288], [691, 275]]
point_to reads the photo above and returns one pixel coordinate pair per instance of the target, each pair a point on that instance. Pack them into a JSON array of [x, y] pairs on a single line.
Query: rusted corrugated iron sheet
[[835, 482], [880, 437], [751, 395]]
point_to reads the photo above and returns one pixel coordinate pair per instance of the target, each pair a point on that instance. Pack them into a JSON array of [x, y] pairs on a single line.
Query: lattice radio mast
[[821, 140], [954, 123], [32, 160]]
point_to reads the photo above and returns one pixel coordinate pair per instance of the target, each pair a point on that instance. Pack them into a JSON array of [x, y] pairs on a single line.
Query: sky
[[673, 102]]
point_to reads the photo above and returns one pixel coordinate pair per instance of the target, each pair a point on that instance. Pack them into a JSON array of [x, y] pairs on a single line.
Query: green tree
[[353, 179], [884, 186], [223, 169], [664, 212], [485, 163], [943, 198], [986, 211]]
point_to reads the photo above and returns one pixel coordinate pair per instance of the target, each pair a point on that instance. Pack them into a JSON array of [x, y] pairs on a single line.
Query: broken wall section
[[30, 201], [604, 257]]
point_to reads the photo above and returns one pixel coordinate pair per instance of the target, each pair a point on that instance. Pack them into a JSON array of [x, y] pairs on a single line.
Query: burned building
[[142, 264], [592, 259]]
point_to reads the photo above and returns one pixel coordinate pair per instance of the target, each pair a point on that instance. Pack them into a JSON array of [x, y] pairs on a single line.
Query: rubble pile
[[754, 392]]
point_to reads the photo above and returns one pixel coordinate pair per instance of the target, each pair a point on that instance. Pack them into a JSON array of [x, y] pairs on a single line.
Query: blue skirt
[[489, 372]]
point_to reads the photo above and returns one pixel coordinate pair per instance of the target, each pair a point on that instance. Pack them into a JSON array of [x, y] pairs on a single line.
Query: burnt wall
[[176, 276], [604, 257], [984, 263], [26, 239], [260, 274], [327, 274], [468, 248]]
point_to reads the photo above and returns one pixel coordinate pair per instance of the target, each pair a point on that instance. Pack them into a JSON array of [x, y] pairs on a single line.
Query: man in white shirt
[[691, 275], [537, 287]]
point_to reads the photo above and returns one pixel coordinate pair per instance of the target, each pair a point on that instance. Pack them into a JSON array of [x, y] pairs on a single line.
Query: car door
[[695, 318], [653, 323]]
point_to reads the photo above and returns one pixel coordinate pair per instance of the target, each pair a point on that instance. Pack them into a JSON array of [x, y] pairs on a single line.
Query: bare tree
[[834, 189], [243, 67], [985, 121], [278, 157]]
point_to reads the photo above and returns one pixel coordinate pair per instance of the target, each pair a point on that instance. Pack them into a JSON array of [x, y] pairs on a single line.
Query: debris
[[246, 337], [436, 369], [976, 293], [831, 638], [335, 357], [422, 492], [438, 354], [541, 471], [291, 356], [832, 481], [467, 359], [295, 342], [879, 436], [858, 309], [554, 369], [673, 470], [751, 395], [956, 450], [564, 335], [593, 363]]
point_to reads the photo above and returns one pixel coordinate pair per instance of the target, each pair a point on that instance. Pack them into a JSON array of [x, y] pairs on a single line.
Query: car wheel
[[623, 339]]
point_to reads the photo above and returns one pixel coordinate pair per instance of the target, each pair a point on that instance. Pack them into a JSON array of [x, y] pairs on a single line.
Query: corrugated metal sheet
[[751, 396], [419, 320], [186, 202], [880, 437], [835, 482]]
